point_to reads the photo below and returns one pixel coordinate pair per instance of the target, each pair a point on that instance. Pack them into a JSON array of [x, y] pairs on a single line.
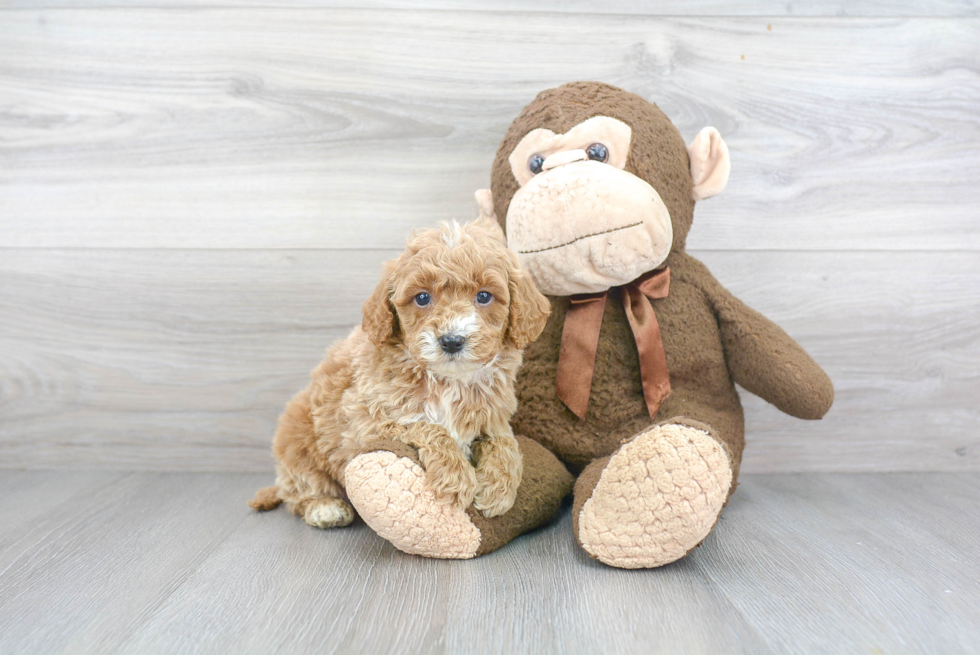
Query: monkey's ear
[[710, 164], [484, 199], [379, 320], [490, 228], [529, 309]]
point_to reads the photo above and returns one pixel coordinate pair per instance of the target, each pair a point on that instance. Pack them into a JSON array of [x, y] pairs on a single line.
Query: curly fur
[[390, 379]]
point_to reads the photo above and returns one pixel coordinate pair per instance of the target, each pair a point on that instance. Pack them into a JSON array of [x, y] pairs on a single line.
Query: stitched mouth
[[576, 239]]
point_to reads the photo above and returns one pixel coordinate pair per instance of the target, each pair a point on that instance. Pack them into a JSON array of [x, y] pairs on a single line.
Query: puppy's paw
[[450, 477], [496, 497], [328, 513], [498, 475]]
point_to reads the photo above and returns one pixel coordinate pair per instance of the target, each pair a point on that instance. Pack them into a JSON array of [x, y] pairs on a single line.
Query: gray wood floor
[[146, 562]]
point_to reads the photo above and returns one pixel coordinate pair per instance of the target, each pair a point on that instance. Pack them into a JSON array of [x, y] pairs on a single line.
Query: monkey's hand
[[768, 362]]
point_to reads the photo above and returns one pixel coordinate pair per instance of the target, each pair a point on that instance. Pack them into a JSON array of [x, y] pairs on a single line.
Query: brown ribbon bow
[[580, 341]]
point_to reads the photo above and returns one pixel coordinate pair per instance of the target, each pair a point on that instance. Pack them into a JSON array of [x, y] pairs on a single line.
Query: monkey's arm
[[768, 362]]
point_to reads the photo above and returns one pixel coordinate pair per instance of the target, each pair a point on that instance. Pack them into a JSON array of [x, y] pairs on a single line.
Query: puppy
[[433, 366]]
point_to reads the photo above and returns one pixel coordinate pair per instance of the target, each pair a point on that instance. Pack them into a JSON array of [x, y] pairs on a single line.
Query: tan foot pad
[[389, 493], [657, 499]]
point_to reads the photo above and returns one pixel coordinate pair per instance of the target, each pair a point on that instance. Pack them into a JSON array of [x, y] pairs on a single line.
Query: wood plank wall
[[195, 198]]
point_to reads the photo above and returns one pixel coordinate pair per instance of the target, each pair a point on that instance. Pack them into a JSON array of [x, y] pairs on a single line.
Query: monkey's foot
[[653, 501], [386, 484], [390, 494]]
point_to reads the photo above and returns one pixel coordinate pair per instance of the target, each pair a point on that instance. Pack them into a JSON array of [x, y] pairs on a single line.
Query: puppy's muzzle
[[451, 343]]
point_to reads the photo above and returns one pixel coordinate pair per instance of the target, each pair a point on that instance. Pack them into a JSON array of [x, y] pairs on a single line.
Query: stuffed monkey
[[632, 382]]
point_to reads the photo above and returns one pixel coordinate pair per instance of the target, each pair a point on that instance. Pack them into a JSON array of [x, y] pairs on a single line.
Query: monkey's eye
[[422, 299], [598, 152], [534, 163], [484, 298]]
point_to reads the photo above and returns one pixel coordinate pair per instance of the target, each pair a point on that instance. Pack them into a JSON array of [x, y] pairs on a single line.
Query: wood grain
[[261, 128], [194, 201], [340, 593], [101, 562], [177, 563], [184, 359], [25, 502], [840, 8], [856, 563]]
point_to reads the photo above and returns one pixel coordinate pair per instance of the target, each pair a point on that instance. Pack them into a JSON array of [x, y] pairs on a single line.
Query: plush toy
[[632, 383]]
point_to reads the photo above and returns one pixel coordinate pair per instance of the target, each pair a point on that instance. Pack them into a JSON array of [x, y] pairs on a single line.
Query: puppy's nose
[[451, 343]]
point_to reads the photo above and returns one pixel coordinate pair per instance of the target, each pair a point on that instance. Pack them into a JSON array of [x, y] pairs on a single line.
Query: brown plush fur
[[390, 380], [711, 339]]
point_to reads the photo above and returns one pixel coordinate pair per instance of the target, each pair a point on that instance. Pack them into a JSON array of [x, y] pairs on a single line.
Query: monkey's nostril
[[451, 343]]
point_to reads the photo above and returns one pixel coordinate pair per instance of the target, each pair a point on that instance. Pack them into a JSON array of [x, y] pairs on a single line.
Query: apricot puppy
[[432, 365]]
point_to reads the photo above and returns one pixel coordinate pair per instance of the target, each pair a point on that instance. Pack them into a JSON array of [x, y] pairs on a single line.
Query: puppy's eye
[[422, 299], [598, 152], [484, 298], [534, 163]]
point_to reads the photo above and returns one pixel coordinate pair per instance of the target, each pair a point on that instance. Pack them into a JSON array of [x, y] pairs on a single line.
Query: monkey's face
[[580, 222]]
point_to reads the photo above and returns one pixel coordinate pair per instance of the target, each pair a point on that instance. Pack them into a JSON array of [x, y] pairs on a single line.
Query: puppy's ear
[[529, 309], [380, 321]]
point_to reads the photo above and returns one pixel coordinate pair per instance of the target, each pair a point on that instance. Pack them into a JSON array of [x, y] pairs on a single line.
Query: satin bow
[[580, 341]]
